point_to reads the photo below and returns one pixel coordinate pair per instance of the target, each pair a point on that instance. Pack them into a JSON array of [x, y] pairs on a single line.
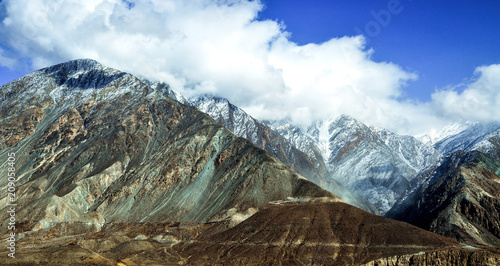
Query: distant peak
[[211, 97], [83, 74], [346, 119], [78, 64]]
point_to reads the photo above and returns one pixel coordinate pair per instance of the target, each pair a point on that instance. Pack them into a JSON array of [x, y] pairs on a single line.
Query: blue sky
[[411, 66], [442, 41]]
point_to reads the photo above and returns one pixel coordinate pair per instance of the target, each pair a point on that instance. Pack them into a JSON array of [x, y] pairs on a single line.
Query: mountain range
[[309, 163], [112, 169], [342, 155], [477, 136], [96, 143], [375, 163], [460, 199]]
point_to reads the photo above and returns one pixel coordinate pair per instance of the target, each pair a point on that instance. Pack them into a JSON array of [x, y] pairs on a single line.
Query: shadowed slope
[[460, 201], [95, 145], [311, 165]]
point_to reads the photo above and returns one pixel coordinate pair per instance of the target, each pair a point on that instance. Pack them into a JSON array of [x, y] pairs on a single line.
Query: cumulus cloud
[[220, 47], [336, 77], [478, 100]]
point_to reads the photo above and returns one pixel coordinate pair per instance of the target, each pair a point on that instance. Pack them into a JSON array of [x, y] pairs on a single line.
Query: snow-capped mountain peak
[[374, 162], [477, 136], [432, 137]]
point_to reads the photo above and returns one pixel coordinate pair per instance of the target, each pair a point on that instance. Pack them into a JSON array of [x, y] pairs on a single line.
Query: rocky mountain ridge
[[375, 163], [397, 174], [112, 170], [478, 136], [401, 160], [96, 145], [460, 199], [327, 145], [310, 165]]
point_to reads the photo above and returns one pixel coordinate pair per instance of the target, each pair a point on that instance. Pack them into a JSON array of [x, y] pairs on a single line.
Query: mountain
[[312, 233], [112, 171], [434, 136], [460, 200], [375, 163], [243, 125], [312, 152], [320, 231], [165, 88], [309, 164], [94, 145], [478, 136]]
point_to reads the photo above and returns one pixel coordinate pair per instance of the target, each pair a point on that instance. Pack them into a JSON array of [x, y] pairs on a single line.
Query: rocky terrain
[[461, 256], [315, 233], [96, 145], [321, 231], [310, 164], [375, 163], [478, 136], [460, 200], [114, 170]]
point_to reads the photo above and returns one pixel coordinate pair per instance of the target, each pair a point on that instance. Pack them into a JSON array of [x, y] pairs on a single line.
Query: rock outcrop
[[310, 164], [460, 200], [377, 164], [456, 256], [95, 145]]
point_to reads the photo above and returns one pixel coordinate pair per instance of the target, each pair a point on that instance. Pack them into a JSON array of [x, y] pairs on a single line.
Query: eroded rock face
[[461, 200], [307, 162], [377, 164], [95, 145]]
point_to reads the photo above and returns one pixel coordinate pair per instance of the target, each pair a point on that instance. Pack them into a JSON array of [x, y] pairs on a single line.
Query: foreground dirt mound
[[311, 232], [314, 233]]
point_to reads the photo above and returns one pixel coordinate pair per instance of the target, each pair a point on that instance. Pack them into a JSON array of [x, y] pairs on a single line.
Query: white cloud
[[219, 47], [478, 101], [6, 61], [336, 77]]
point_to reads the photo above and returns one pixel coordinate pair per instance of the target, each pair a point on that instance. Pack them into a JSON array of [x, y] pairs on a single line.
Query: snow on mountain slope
[[307, 140], [435, 136], [301, 155], [164, 87], [95, 145], [375, 163], [232, 117], [478, 136]]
